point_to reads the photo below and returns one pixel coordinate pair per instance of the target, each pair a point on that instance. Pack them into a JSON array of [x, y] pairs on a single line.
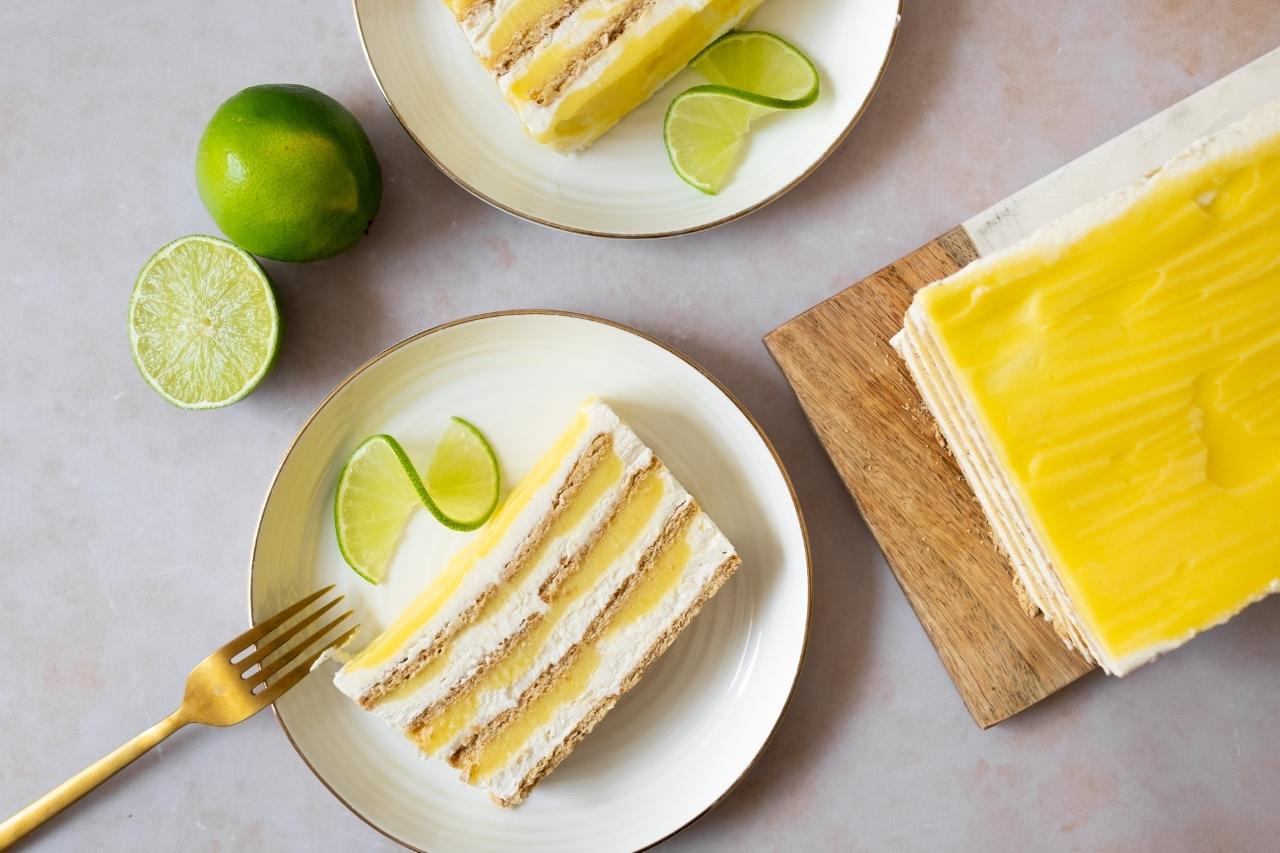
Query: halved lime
[[379, 486], [203, 323], [704, 131], [762, 64]]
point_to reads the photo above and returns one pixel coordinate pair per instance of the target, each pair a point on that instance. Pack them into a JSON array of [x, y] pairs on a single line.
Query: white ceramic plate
[[689, 731], [623, 185]]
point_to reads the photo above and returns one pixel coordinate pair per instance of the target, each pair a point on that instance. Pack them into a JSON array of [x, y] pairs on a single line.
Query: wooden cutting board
[[864, 408]]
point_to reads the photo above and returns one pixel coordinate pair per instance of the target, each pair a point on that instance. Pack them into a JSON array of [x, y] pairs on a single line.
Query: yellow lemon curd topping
[[605, 476], [412, 619], [654, 586], [1129, 381], [620, 534]]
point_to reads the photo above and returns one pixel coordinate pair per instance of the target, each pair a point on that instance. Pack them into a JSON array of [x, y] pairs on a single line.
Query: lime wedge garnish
[[705, 129], [203, 324], [752, 74], [762, 64], [376, 492], [379, 487], [462, 479]]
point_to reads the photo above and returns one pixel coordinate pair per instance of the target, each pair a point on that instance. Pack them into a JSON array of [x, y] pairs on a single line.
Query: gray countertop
[[125, 524]]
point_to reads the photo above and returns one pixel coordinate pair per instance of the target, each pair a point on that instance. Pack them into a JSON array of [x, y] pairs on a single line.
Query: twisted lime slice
[[379, 487], [761, 64], [203, 324], [375, 495], [752, 74], [462, 478]]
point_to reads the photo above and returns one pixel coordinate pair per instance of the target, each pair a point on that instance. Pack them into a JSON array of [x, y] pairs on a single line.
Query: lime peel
[[379, 487]]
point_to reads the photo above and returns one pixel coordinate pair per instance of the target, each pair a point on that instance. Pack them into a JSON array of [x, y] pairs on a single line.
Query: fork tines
[[262, 652]]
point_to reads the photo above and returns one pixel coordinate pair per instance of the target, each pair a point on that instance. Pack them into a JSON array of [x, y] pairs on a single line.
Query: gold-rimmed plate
[[623, 185], [680, 740]]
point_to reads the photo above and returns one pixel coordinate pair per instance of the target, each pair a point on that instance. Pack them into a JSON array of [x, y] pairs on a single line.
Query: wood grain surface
[[864, 408]]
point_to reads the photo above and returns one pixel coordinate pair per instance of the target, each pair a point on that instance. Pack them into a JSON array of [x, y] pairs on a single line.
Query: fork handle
[[86, 780]]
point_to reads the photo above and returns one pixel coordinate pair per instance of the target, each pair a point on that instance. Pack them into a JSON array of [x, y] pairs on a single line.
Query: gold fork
[[226, 687]]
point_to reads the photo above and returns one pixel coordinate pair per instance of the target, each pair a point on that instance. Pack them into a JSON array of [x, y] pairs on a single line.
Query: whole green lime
[[288, 173]]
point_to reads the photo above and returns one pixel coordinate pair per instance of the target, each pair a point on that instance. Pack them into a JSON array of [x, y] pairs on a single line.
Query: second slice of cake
[[571, 69], [557, 607]]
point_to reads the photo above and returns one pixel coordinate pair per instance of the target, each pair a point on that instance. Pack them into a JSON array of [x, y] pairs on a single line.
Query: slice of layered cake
[[571, 69], [556, 607], [1110, 388]]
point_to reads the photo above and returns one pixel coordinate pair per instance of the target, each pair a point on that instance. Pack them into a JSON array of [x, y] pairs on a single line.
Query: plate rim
[[639, 235], [719, 386]]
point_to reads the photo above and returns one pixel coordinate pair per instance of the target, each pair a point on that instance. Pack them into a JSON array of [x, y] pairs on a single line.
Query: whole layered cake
[[1110, 388]]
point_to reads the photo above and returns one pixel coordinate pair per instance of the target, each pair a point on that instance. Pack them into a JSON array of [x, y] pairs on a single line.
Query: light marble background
[[125, 525]]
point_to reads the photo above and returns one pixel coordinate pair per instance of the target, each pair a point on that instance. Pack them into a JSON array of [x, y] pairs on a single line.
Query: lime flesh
[[288, 173], [704, 131], [379, 487], [203, 323]]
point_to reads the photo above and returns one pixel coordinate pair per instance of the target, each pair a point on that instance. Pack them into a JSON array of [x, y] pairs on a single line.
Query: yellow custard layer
[[656, 584], [619, 535], [412, 619], [1129, 382]]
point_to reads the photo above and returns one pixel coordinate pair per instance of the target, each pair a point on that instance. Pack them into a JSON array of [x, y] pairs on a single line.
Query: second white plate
[[689, 731], [623, 185]]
